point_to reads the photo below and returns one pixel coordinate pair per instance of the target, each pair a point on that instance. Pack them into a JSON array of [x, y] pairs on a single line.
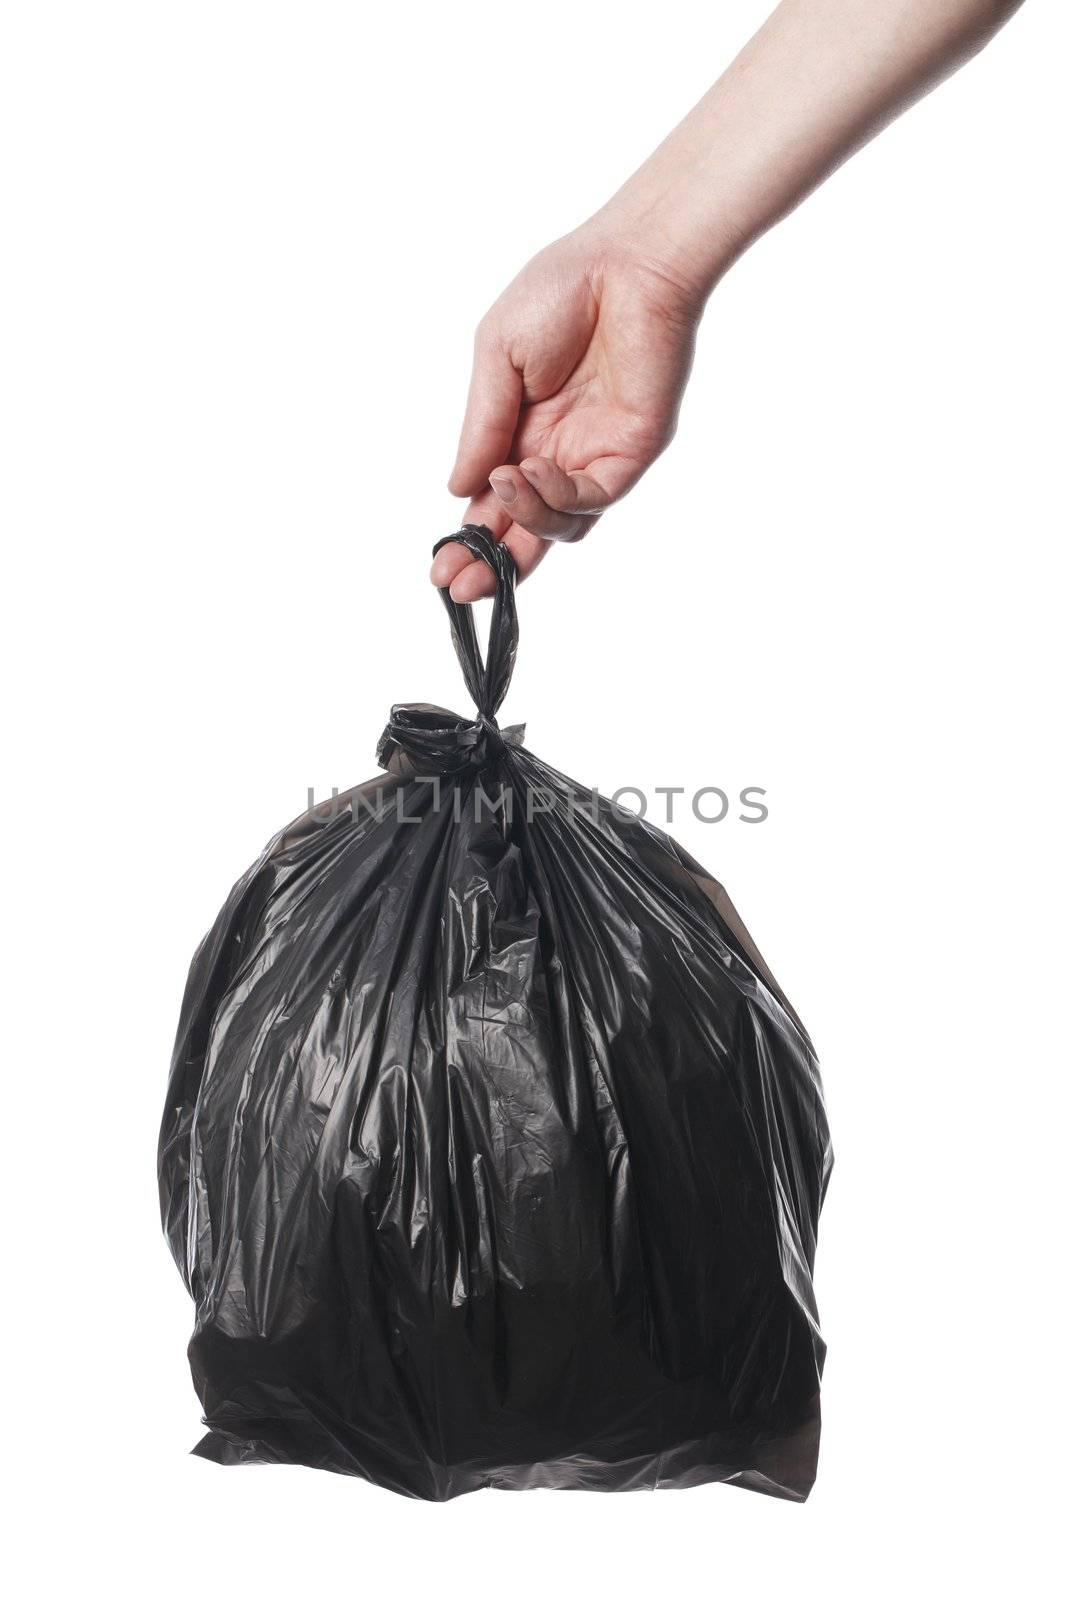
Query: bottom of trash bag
[[783, 1466]]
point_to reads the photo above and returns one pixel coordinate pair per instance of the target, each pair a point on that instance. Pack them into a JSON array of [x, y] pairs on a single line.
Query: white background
[[247, 245]]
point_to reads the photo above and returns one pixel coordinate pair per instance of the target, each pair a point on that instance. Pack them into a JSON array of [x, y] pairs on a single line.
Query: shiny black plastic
[[492, 1153]]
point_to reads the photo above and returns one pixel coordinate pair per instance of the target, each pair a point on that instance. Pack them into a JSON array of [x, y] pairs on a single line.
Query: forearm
[[818, 80]]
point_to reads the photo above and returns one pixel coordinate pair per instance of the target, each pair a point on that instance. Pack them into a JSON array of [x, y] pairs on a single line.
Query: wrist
[[669, 220]]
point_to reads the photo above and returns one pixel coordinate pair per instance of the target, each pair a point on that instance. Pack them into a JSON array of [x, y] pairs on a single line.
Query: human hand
[[579, 370], [580, 366]]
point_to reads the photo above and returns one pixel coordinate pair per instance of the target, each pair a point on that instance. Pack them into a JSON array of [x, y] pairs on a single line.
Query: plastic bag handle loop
[[487, 681]]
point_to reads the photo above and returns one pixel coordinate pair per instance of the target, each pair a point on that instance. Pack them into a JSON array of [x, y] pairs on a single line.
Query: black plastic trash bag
[[493, 1154]]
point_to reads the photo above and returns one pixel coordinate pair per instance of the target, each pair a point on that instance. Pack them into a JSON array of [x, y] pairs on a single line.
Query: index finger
[[493, 403]]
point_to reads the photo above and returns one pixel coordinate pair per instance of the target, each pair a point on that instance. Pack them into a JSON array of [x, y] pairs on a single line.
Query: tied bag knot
[[423, 739], [428, 739]]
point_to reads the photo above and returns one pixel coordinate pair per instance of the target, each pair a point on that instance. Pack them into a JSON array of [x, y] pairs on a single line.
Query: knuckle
[[569, 529], [487, 334]]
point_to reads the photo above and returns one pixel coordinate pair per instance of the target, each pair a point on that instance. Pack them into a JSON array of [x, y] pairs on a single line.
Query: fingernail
[[504, 488], [439, 573]]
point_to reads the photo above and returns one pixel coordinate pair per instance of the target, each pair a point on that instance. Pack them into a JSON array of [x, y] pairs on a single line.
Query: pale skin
[[580, 366]]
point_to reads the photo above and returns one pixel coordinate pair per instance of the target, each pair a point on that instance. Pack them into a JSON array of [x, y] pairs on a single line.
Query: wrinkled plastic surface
[[492, 1153]]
